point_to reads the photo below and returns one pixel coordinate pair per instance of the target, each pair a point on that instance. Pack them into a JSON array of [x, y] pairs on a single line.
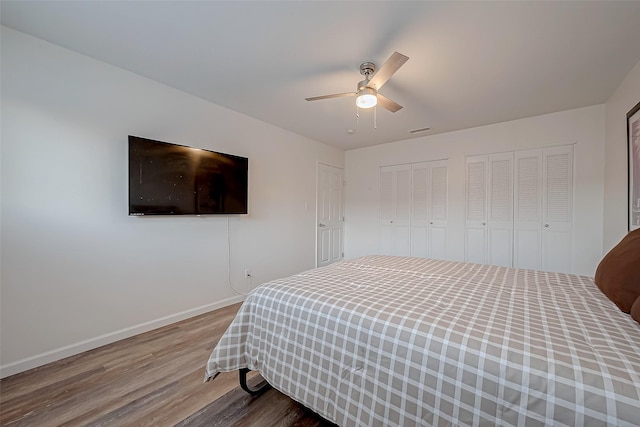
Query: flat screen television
[[171, 179]]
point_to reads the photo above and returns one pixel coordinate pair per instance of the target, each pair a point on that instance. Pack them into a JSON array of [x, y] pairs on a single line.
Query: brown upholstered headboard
[[618, 274]]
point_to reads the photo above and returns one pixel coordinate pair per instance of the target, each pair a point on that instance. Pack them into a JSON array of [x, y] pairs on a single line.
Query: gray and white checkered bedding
[[400, 341]]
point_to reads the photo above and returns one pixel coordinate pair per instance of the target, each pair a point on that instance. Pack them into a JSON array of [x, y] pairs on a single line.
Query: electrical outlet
[[247, 273]]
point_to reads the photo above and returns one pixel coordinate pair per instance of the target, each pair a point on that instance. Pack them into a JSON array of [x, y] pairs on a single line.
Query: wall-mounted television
[[172, 179]]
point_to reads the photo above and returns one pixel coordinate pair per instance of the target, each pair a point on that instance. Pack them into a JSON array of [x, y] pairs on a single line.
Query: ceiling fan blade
[[335, 95], [388, 104], [380, 77]]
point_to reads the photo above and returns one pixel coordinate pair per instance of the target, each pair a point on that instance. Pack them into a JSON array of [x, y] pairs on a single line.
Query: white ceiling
[[471, 63]]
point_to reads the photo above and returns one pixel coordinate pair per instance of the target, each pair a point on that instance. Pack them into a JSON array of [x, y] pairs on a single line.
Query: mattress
[[401, 341]]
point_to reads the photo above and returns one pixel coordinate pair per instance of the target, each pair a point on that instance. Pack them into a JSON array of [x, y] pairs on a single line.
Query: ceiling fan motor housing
[[363, 84], [367, 69]]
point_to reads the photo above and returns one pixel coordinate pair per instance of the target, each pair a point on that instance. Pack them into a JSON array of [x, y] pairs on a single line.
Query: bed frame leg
[[259, 389]]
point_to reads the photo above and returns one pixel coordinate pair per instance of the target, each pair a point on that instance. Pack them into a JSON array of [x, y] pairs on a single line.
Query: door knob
[[546, 225], [321, 225]]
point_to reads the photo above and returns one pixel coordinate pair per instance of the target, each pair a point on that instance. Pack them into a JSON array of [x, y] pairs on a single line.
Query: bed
[[401, 341]]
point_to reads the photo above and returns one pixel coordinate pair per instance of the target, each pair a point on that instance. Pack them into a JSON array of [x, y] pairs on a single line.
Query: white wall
[[583, 127], [626, 96], [77, 271]]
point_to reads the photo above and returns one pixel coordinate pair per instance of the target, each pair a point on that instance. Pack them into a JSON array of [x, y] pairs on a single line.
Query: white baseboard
[[73, 349]]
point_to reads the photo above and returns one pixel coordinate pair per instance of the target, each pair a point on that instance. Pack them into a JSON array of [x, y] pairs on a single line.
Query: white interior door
[[438, 210], [557, 208], [420, 210], [475, 247], [500, 210], [329, 215], [528, 210], [413, 209], [519, 209], [395, 213]]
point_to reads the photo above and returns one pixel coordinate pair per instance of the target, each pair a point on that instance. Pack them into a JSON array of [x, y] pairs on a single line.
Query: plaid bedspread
[[400, 341]]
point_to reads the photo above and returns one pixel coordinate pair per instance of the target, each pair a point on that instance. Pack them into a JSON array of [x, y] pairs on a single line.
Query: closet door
[[489, 209], [528, 210], [438, 210], [420, 209], [476, 209], [500, 210], [413, 218], [429, 210], [543, 195], [557, 208], [395, 210]]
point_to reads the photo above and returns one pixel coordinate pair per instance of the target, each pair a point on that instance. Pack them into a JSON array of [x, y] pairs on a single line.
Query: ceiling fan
[[367, 95]]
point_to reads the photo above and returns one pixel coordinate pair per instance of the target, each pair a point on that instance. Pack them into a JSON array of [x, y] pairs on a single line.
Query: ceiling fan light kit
[[367, 98]]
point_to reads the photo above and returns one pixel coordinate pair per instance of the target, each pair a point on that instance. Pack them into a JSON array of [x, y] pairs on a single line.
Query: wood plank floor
[[152, 379]]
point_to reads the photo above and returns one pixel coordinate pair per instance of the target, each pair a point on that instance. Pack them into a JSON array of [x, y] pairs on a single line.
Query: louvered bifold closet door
[[500, 210], [420, 209], [413, 209], [395, 210], [557, 208], [475, 249], [438, 210], [519, 209], [429, 210], [489, 209], [528, 210]]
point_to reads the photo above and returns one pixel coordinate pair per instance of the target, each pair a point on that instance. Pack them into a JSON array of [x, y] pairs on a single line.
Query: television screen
[[171, 179]]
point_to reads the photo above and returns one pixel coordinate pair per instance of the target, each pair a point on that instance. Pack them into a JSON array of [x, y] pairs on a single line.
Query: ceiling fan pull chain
[[375, 117]]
